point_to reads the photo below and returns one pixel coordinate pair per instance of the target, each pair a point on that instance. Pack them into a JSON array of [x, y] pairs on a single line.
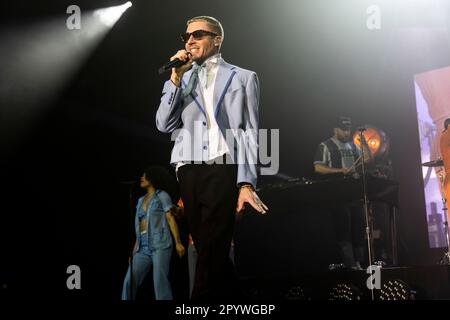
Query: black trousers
[[209, 195], [350, 224], [350, 231]]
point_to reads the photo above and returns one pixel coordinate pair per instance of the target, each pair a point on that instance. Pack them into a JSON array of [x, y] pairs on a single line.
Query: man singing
[[206, 95]]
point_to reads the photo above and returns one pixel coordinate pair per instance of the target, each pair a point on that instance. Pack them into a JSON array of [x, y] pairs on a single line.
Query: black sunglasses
[[197, 34]]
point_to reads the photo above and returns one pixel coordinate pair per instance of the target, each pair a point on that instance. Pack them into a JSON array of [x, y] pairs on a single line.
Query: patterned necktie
[[203, 74], [192, 81]]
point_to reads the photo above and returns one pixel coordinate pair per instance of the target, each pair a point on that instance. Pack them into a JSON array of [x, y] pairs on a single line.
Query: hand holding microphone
[[179, 63]]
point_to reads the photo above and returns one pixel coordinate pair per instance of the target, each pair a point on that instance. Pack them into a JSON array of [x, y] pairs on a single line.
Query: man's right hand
[[346, 170], [177, 73]]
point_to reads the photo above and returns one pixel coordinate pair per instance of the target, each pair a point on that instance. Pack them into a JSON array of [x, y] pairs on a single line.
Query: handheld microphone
[[172, 64]]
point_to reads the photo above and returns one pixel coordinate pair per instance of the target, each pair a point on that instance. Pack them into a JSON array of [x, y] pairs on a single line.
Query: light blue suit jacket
[[236, 105]]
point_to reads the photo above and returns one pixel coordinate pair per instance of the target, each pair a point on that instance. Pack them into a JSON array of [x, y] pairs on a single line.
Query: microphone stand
[[366, 202]]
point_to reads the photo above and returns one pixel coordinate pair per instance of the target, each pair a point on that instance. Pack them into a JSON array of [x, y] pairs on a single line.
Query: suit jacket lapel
[[223, 79], [195, 94]]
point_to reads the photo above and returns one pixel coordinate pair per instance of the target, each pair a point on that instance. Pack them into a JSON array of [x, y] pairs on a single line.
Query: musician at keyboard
[[338, 155]]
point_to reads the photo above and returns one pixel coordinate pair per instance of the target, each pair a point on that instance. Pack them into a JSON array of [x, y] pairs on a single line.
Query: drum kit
[[435, 164]]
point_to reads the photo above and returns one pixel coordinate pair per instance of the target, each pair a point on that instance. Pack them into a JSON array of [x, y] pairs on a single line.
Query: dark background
[[63, 203]]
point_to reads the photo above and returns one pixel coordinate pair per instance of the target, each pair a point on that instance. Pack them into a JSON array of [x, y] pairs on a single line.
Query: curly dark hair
[[162, 179], [446, 123]]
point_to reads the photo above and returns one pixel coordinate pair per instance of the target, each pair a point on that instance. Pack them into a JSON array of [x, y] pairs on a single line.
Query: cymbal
[[434, 163]]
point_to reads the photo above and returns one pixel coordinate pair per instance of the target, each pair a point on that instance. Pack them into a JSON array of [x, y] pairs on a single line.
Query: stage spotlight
[[109, 16], [345, 291], [377, 141], [396, 290], [40, 59], [295, 293]]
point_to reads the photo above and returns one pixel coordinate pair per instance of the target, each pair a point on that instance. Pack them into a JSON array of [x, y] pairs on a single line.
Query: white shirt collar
[[214, 59]]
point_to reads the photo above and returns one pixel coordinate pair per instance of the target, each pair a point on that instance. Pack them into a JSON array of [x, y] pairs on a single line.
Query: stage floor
[[419, 283]]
